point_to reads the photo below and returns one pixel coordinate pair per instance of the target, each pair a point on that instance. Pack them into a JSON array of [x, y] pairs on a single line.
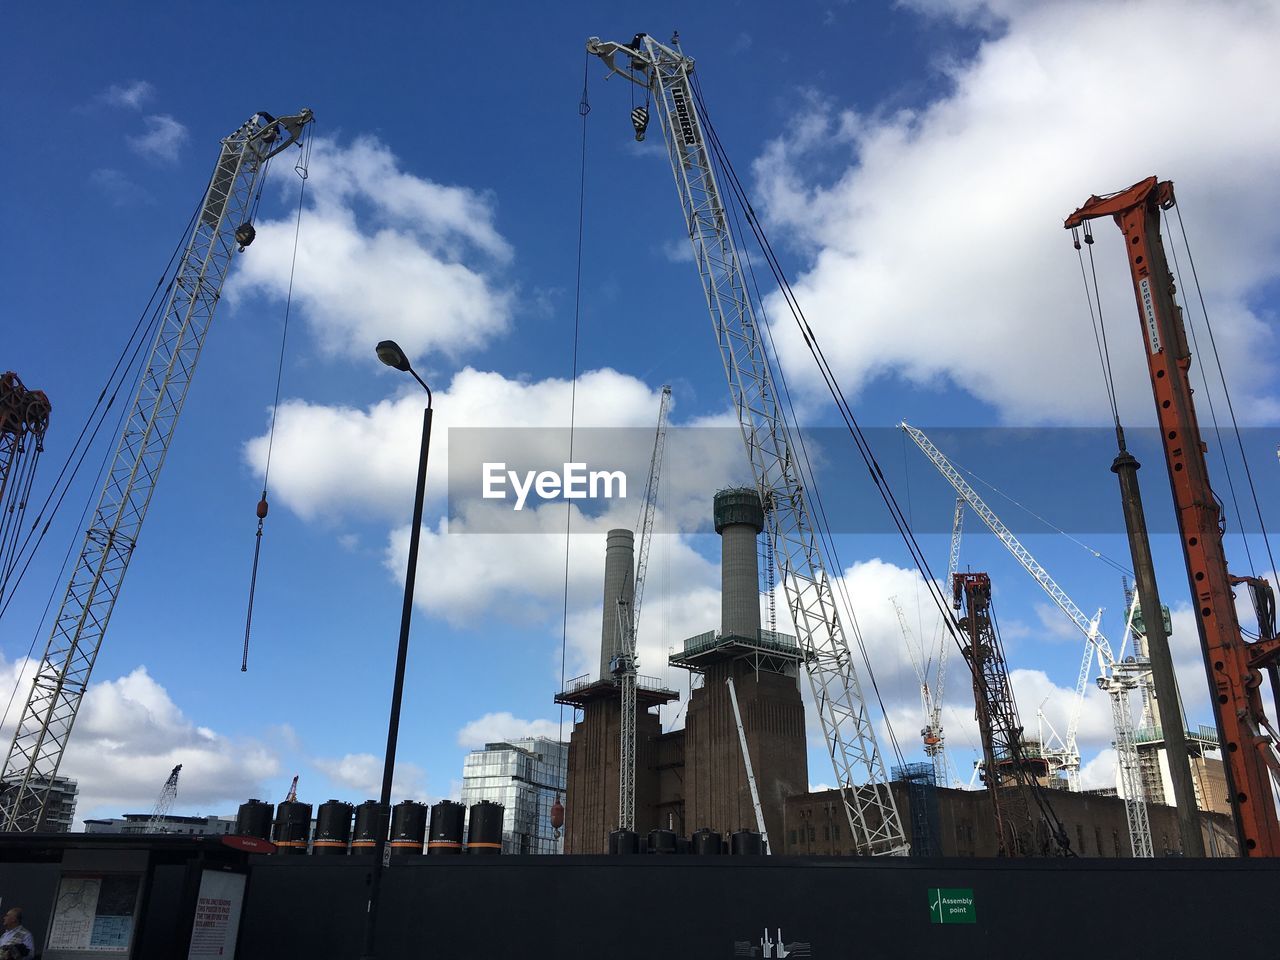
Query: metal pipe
[[1125, 467]]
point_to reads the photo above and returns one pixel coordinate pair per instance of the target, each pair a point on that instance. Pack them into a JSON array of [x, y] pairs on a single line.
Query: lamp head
[[389, 352]]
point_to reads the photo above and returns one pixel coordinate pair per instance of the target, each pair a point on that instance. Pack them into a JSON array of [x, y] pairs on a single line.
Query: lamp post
[[389, 352]]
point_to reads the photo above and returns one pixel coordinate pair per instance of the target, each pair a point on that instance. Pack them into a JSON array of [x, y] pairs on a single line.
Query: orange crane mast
[[1234, 665]]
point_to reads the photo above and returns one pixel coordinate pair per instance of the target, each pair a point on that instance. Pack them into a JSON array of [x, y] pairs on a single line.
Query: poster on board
[[94, 914], [217, 920]]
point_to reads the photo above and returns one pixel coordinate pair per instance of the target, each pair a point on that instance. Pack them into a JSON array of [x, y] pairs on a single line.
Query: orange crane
[[1234, 665]]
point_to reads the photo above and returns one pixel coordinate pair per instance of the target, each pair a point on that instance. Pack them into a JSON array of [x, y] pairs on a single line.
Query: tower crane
[[222, 225], [931, 701], [664, 72], [1234, 666], [1118, 676], [164, 803], [623, 666]]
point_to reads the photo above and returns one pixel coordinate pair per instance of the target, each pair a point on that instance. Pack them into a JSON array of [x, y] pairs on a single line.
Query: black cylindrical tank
[[747, 843], [446, 827], [408, 827], [371, 820], [684, 845], [292, 827], [662, 842], [333, 828], [707, 843], [484, 828], [254, 819], [624, 842]]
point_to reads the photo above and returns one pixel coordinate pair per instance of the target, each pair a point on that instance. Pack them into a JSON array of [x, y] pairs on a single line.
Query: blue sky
[[912, 162]]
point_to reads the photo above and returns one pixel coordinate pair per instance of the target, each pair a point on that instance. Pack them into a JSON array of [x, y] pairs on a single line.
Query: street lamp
[[389, 352]]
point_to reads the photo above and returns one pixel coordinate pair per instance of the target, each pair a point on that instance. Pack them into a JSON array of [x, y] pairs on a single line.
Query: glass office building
[[526, 777]]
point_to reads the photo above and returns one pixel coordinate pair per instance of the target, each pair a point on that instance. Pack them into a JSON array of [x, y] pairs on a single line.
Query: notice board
[[217, 920], [94, 915]]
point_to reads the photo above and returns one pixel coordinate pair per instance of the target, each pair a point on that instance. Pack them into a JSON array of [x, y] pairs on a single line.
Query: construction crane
[[664, 71], [164, 803], [1119, 676], [223, 226], [931, 734], [999, 727], [623, 666], [1234, 666], [24, 417]]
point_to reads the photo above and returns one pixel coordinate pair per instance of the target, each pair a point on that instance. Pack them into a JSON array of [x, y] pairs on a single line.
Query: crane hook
[[640, 120]]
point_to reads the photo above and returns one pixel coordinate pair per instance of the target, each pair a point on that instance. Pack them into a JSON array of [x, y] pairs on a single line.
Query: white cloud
[[329, 461], [383, 254], [131, 94], [938, 252], [1100, 772], [163, 138], [362, 774], [129, 734], [119, 189], [503, 726]]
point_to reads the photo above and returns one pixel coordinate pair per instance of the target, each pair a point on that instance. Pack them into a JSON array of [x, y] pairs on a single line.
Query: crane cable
[[143, 333], [302, 168], [1227, 394], [855, 430], [584, 108]]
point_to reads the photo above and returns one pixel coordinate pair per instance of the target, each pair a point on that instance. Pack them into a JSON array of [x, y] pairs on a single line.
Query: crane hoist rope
[[62, 677], [302, 168]]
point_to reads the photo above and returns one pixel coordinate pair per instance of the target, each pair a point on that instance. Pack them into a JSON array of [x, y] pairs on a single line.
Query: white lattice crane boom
[[624, 666], [664, 71], [1117, 679], [164, 803], [222, 226]]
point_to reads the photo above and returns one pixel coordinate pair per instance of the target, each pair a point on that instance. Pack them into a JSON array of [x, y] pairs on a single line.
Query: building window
[[835, 830], [1080, 837], [791, 838], [812, 835]]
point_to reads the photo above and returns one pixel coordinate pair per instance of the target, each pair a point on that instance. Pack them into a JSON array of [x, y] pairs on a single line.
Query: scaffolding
[[922, 801]]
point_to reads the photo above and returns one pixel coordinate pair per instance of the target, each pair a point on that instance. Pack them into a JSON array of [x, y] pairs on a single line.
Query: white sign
[[217, 920], [1149, 314]]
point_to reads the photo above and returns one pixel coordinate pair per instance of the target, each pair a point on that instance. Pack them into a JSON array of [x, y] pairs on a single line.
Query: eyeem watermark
[[574, 482]]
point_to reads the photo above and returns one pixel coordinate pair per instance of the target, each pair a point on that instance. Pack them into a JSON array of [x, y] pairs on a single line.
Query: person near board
[[16, 938]]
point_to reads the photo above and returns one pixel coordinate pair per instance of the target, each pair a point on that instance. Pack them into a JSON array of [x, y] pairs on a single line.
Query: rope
[[1095, 320], [584, 108], [302, 169], [1253, 492]]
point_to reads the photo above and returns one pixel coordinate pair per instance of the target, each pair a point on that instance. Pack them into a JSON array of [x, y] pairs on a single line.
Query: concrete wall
[[717, 794], [1096, 826], [591, 794]]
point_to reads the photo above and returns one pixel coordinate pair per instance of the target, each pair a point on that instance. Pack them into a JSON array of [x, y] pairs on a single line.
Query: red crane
[[1234, 664]]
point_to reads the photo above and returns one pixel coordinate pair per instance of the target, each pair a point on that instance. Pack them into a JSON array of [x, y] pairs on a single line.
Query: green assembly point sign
[[951, 905]]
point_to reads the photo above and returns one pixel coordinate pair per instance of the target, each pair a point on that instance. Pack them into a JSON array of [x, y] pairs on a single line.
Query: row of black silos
[[703, 843], [341, 827]]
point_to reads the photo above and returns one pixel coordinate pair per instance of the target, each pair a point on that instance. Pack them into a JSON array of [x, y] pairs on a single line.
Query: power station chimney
[[619, 582], [739, 519]]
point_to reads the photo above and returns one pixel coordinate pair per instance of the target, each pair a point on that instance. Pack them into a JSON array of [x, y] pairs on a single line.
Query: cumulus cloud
[[332, 460], [118, 188], [503, 726], [129, 734], [362, 774], [131, 94], [384, 253], [162, 140], [937, 252]]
